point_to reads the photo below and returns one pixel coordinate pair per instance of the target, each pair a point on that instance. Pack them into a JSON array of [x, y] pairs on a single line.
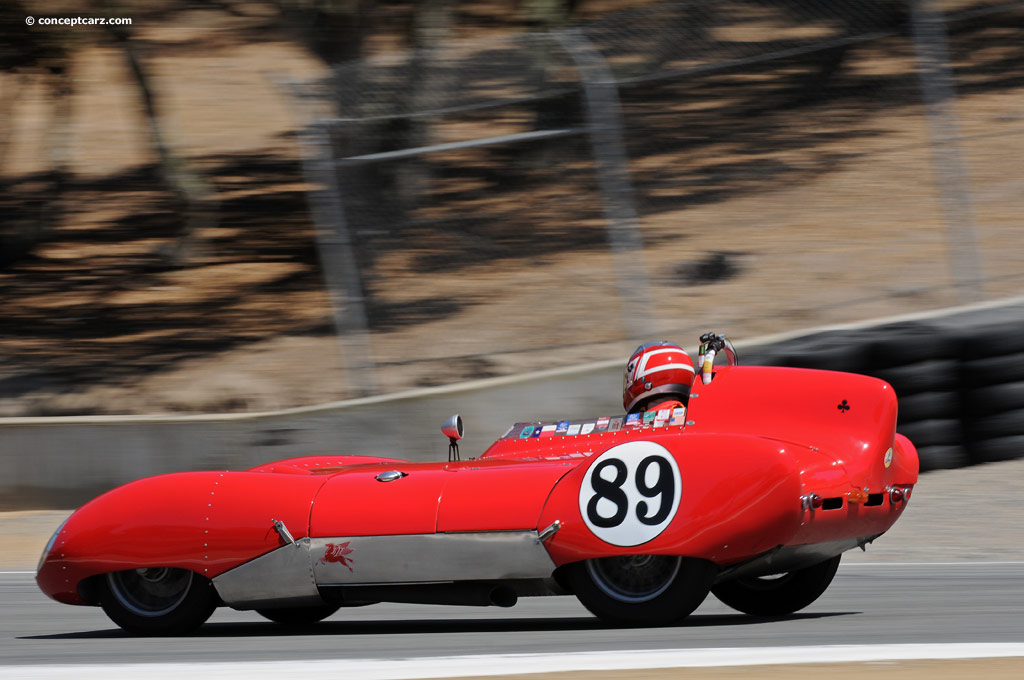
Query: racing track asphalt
[[868, 603]]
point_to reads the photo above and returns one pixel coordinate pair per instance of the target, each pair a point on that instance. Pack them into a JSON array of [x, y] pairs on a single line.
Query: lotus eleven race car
[[751, 492]]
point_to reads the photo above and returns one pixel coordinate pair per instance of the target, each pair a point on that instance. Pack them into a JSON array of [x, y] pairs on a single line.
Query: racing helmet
[[656, 368]]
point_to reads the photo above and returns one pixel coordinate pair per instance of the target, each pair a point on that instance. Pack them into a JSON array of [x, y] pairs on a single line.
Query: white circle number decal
[[630, 493]]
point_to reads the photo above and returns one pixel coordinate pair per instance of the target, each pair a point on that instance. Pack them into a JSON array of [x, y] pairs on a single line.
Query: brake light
[[898, 494]]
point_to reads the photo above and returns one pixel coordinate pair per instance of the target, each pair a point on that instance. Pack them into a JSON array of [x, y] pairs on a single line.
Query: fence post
[[936, 80], [339, 263], [605, 133]]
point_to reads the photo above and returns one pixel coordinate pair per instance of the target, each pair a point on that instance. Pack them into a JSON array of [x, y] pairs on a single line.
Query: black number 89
[[664, 487]]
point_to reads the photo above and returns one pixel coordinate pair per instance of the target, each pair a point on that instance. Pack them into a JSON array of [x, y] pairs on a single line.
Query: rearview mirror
[[452, 428]]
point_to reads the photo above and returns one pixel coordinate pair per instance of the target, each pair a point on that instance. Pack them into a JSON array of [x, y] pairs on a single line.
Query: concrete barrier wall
[[62, 462], [959, 376]]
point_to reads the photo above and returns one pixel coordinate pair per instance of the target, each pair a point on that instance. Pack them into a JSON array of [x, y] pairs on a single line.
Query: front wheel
[[158, 600], [641, 590], [780, 594]]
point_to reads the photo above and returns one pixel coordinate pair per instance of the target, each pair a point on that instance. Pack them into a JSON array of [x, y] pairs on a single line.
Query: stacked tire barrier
[[961, 391], [958, 374], [993, 393], [923, 366]]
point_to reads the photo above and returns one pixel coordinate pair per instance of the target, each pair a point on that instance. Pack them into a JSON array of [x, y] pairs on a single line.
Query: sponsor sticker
[[573, 429], [679, 415], [615, 424], [649, 417], [602, 422], [338, 553], [547, 431], [563, 427], [527, 432], [587, 428], [664, 414], [632, 420], [888, 457]]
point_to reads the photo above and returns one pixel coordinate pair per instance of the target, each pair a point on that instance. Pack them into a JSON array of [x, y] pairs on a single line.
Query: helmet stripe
[[666, 367], [641, 369]]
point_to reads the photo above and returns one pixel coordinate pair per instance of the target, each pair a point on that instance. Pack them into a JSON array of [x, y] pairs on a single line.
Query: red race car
[[751, 492]]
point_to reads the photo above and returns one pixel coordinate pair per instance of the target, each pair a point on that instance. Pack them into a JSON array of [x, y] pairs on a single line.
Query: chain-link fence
[[750, 166]]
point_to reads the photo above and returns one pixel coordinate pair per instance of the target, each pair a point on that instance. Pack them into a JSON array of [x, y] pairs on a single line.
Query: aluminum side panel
[[281, 577], [467, 556]]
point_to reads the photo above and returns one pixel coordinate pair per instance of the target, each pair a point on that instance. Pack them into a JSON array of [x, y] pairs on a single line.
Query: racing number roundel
[[630, 493]]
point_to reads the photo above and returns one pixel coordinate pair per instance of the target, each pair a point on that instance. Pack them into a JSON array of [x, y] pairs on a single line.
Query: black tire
[[943, 457], [993, 370], [899, 344], [778, 595], [157, 600], [762, 356], [298, 616], [999, 339], [933, 432], [996, 450], [928, 406], [996, 398], [937, 375], [832, 351], [641, 590], [847, 359], [997, 425]]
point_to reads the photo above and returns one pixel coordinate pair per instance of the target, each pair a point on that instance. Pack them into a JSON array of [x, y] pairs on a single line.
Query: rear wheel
[[779, 594], [298, 616], [641, 590], [158, 600]]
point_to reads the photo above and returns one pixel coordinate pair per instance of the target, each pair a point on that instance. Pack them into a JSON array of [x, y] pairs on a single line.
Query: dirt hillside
[[761, 210]]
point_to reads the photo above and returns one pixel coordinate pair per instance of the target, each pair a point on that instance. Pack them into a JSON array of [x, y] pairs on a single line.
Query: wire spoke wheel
[[634, 578], [158, 600], [152, 591], [641, 590]]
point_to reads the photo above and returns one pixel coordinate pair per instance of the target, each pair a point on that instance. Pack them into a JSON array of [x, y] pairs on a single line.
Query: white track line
[[509, 664]]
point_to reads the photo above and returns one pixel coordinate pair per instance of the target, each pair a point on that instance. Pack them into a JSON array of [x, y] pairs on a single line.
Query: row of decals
[[564, 428]]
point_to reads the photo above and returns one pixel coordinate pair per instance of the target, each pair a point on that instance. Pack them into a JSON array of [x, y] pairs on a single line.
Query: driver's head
[[654, 369]]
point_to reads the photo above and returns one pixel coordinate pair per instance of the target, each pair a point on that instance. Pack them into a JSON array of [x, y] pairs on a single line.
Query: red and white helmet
[[656, 368]]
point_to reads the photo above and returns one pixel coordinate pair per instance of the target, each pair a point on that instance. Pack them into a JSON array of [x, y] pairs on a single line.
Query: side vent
[[832, 503]]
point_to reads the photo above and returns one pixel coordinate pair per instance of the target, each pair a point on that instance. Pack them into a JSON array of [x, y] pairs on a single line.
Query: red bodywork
[[757, 444]]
